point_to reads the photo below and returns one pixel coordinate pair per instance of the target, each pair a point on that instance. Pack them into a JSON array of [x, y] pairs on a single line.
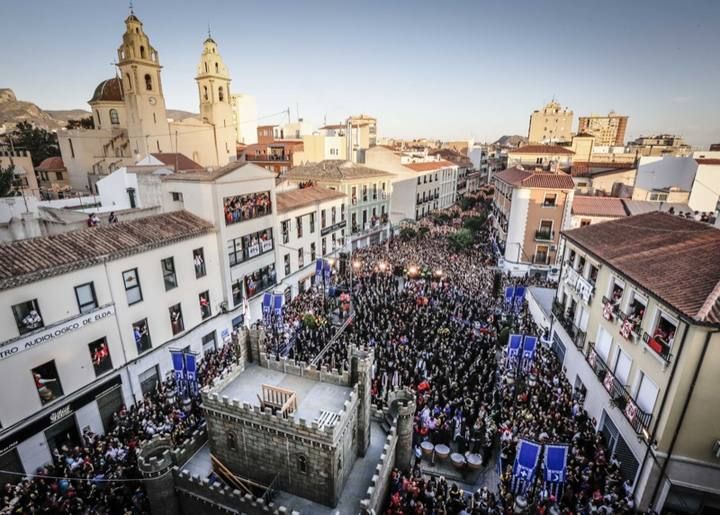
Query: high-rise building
[[550, 124], [608, 130]]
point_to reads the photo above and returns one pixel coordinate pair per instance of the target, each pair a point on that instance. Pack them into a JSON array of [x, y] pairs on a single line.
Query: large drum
[[474, 461], [442, 451], [458, 460], [427, 449]]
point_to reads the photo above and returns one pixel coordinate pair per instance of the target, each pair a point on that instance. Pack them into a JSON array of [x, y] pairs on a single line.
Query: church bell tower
[[139, 65], [213, 82]]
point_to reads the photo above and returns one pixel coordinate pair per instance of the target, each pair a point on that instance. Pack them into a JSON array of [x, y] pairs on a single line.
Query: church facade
[[130, 116]]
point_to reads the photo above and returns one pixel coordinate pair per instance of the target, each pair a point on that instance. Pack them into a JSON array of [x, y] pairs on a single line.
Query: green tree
[[423, 231], [82, 123], [440, 218], [474, 223], [461, 240], [467, 203], [407, 233], [41, 143], [8, 184]]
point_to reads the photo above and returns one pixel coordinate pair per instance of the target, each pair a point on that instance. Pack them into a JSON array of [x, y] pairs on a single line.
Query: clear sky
[[442, 69]]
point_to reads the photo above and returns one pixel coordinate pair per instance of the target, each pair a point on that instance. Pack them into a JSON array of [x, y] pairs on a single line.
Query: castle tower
[[402, 404], [155, 464], [139, 66], [360, 368], [213, 82]]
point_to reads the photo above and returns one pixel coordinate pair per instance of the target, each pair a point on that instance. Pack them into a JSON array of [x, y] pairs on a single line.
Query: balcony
[[620, 397], [658, 345], [540, 259], [266, 158], [566, 321], [610, 309], [630, 326], [544, 235]]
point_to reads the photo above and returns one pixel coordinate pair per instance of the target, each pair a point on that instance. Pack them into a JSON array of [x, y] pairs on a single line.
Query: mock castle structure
[[130, 116]]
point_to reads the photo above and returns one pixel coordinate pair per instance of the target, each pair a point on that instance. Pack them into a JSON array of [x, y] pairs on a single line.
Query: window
[[208, 343], [199, 263], [301, 257], [141, 333], [240, 208], [168, 271], [550, 200], [603, 344], [142, 53], [148, 82], [622, 367], [114, 118], [636, 310], [419, 180], [286, 260], [27, 316], [302, 464], [100, 356], [285, 229], [176, 319], [47, 382], [663, 335], [323, 246], [584, 222], [299, 226], [149, 380], [205, 309], [365, 192], [260, 280], [231, 441], [312, 223], [177, 197], [85, 295], [205, 91], [333, 215], [237, 293], [646, 393], [127, 76], [353, 218], [221, 95], [133, 292], [312, 251], [541, 254], [374, 191], [250, 246], [342, 212]]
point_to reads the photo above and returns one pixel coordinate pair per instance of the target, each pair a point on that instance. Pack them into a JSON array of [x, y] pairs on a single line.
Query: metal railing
[[658, 345], [543, 235], [620, 397], [576, 334]]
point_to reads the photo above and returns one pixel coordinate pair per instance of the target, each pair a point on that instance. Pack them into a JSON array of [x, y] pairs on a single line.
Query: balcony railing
[[610, 309], [565, 319], [543, 235], [630, 326], [620, 397], [263, 158], [540, 259], [658, 345]]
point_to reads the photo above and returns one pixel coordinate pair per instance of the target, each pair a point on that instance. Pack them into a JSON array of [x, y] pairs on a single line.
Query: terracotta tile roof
[[289, 200], [708, 161], [30, 260], [333, 170], [51, 164], [108, 91], [671, 257], [530, 179], [210, 176], [590, 169], [541, 149], [426, 167], [598, 206], [183, 162]]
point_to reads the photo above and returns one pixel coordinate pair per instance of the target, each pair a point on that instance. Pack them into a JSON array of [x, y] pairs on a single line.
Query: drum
[[427, 449], [442, 451], [458, 460], [474, 461]]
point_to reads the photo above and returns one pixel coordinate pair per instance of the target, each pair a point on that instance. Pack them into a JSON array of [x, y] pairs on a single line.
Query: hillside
[[511, 141]]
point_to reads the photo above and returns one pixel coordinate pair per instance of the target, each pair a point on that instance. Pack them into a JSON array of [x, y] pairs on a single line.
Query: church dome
[[108, 91]]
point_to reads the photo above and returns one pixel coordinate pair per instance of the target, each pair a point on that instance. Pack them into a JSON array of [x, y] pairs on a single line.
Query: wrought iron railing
[[619, 396], [658, 345], [576, 334], [543, 235]]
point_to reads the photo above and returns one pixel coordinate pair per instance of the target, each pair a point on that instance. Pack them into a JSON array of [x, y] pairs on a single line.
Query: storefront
[[28, 447]]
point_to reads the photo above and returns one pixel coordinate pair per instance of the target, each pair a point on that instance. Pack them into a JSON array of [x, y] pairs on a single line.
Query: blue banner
[[509, 294], [555, 465], [526, 460], [528, 353], [318, 269], [513, 352], [519, 297], [277, 303], [179, 371], [191, 371], [327, 269], [266, 304]]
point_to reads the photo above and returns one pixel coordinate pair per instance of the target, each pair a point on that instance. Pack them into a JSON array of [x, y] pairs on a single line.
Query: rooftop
[[429, 166], [182, 161], [541, 149], [289, 200], [673, 258], [51, 164], [109, 90], [210, 175], [312, 396], [598, 206], [591, 169], [708, 161], [30, 260], [333, 170], [520, 177]]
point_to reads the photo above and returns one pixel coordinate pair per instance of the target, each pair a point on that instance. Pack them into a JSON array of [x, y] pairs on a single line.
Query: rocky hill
[[511, 141], [14, 111]]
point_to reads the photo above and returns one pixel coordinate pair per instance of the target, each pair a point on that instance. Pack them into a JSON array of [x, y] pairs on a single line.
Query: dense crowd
[[100, 475]]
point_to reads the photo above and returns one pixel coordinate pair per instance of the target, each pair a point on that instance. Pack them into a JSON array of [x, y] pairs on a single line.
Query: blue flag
[[277, 304], [266, 306], [519, 297], [513, 352], [509, 295], [526, 460], [318, 269], [191, 371], [178, 370], [528, 353], [555, 465], [327, 269]]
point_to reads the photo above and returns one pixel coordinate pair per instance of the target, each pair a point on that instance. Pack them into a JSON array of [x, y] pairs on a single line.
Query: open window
[[663, 334], [550, 200], [27, 316], [47, 382], [176, 319]]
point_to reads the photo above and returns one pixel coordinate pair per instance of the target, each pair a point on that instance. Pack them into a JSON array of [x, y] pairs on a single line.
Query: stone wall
[[301, 368], [377, 492], [200, 496]]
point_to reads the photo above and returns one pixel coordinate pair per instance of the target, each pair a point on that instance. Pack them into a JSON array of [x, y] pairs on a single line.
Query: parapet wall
[[380, 481], [201, 496], [156, 456], [301, 368]]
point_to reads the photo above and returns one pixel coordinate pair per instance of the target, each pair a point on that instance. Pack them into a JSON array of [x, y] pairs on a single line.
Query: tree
[[467, 203], [461, 240], [440, 218], [82, 123], [8, 184], [407, 233], [41, 143], [423, 231], [474, 223]]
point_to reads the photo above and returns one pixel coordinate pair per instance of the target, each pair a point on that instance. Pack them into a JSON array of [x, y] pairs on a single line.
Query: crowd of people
[[99, 475]]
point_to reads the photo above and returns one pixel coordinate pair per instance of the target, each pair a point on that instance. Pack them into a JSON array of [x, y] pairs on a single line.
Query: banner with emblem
[[528, 353], [518, 297], [191, 371], [266, 307], [513, 351], [555, 464], [526, 461], [509, 295], [178, 370]]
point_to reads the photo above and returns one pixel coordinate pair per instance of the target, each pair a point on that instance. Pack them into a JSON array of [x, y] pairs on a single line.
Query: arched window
[[206, 68], [142, 52], [231, 441], [97, 113], [114, 118], [221, 96], [148, 82], [205, 95], [217, 68], [302, 464], [127, 75]]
